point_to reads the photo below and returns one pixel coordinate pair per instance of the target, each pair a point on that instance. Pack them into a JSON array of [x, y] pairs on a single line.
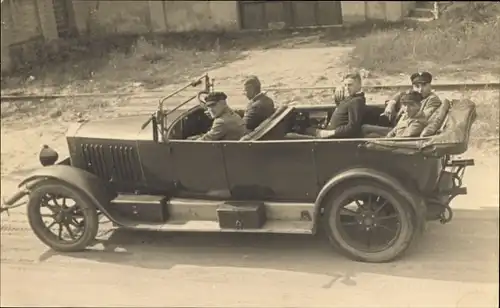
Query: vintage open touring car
[[372, 197]]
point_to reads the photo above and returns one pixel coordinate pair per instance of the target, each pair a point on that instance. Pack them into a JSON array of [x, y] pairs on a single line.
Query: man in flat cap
[[227, 125], [347, 117], [260, 106], [411, 123], [421, 83]]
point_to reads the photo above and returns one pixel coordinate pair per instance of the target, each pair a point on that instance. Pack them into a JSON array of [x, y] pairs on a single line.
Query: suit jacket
[[228, 126], [347, 117], [258, 109]]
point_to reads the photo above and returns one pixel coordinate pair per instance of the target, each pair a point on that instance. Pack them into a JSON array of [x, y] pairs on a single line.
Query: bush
[[458, 38]]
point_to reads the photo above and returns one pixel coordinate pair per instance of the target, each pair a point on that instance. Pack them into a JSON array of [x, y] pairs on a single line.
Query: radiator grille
[[114, 162]]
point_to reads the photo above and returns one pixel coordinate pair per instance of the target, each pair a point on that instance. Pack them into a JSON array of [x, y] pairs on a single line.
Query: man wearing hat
[[421, 83], [260, 106], [227, 125], [411, 123]]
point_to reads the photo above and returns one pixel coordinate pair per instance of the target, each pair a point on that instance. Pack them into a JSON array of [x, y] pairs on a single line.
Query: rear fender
[[95, 189], [409, 193]]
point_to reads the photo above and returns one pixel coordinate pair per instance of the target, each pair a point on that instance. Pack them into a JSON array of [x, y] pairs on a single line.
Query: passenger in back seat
[[347, 117], [260, 106], [421, 83], [413, 120], [411, 123]]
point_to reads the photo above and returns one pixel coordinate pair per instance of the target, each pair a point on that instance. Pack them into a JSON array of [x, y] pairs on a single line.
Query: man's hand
[[390, 110], [339, 94], [193, 137], [324, 133]]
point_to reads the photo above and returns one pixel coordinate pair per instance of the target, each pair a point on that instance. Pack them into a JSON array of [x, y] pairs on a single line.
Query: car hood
[[123, 128]]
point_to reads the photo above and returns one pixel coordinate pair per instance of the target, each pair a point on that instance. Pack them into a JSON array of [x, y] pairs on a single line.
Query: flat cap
[[422, 77], [214, 97], [411, 97]]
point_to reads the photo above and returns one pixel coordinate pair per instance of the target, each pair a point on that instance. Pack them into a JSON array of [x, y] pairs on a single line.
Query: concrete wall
[[110, 17], [178, 16], [354, 12], [24, 23], [6, 60]]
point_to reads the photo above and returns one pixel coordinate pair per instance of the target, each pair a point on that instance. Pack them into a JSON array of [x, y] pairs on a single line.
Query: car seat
[[437, 119], [259, 129]]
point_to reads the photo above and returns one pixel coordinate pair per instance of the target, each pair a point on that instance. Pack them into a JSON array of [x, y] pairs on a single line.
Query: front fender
[[409, 193], [98, 191]]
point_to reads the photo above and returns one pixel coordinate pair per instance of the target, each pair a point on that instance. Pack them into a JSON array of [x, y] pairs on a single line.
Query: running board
[[147, 212], [279, 227]]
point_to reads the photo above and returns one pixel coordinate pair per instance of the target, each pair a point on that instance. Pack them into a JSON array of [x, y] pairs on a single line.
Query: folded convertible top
[[453, 139]]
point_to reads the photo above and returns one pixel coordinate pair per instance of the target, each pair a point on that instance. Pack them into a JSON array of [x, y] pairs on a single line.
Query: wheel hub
[[59, 217], [368, 219]]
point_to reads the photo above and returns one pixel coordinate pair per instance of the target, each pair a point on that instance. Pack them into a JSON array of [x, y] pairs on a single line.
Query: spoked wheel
[[370, 222], [61, 217]]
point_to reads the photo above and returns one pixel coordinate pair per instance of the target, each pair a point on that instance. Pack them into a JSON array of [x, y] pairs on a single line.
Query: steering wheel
[[201, 98]]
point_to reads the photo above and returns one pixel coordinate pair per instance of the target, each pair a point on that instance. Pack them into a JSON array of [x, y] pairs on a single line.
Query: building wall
[[110, 17], [200, 15], [354, 12], [24, 23], [6, 61], [107, 17]]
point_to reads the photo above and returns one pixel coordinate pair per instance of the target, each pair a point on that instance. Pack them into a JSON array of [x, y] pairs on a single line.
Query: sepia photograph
[[175, 153]]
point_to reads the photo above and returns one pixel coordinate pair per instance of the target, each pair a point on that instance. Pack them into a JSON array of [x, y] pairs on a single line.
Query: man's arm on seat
[[431, 105]]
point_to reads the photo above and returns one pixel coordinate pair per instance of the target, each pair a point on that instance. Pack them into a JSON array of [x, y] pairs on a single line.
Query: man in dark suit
[[347, 118], [260, 106]]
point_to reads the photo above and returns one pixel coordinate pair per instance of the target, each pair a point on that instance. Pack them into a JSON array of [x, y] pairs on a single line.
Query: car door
[[271, 170], [199, 167]]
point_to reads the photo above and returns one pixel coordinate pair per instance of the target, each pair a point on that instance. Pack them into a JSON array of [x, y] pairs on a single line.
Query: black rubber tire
[[38, 226], [409, 221]]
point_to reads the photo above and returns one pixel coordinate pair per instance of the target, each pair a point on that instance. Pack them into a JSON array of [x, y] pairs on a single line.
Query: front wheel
[[62, 217], [369, 222]]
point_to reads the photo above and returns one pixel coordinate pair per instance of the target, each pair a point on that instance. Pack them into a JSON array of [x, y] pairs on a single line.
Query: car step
[[150, 212], [279, 227]]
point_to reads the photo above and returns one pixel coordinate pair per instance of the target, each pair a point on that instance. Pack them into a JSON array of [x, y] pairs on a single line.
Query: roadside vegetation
[[465, 38]]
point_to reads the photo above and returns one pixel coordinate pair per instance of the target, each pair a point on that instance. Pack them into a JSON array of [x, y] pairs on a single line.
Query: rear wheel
[[370, 222], [62, 217]]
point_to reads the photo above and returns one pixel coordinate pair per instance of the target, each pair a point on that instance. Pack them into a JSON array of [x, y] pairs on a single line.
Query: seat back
[[437, 119], [264, 124]]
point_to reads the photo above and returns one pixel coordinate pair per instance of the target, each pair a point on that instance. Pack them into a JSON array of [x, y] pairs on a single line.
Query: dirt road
[[455, 265]]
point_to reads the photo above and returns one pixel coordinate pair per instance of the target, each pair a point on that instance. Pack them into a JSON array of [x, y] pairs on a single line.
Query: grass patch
[[467, 37], [485, 131], [109, 63]]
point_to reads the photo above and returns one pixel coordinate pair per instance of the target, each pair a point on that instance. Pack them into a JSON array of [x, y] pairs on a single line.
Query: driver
[[227, 125]]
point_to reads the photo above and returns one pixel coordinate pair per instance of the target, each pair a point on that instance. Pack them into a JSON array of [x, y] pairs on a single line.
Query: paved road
[[455, 265]]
